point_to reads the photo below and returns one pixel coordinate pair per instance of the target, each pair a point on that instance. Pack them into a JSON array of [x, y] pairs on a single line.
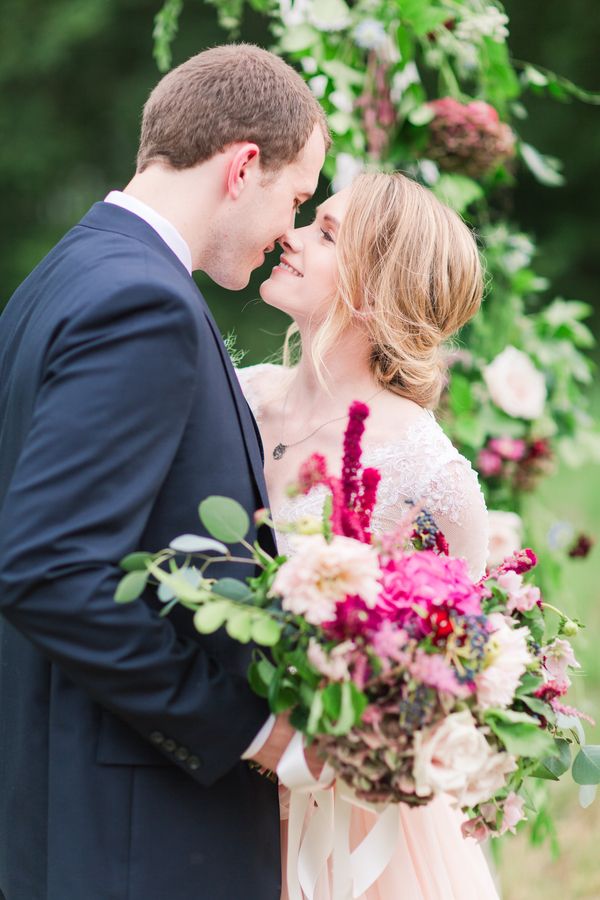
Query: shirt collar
[[162, 226]]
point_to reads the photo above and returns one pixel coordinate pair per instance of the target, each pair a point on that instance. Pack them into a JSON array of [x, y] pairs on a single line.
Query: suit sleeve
[[108, 420]]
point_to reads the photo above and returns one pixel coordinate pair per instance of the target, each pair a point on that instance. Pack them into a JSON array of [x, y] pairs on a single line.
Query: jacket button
[[157, 737], [169, 745], [193, 763], [182, 754]]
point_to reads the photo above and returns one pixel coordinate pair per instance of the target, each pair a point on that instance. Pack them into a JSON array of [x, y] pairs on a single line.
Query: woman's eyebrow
[[331, 220]]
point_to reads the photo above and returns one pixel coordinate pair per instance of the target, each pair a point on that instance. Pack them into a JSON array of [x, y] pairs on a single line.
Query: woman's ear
[[243, 163]]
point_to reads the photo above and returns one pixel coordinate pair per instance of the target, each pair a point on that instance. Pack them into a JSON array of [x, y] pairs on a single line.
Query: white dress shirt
[[180, 248], [162, 226]]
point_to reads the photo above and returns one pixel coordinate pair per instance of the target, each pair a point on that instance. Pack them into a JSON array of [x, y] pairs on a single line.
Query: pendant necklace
[[281, 448]]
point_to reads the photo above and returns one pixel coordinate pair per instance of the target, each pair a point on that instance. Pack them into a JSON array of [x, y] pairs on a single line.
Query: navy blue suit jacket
[[120, 732]]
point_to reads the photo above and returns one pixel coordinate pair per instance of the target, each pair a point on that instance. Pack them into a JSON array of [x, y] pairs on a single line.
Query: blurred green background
[[74, 75]]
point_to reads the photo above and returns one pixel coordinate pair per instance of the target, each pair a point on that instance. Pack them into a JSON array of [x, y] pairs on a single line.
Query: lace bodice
[[422, 465]]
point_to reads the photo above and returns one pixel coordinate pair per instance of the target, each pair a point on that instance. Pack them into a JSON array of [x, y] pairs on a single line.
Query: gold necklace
[[281, 448]]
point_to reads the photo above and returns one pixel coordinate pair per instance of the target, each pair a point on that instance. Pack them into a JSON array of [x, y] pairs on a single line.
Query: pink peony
[[506, 658], [558, 657], [521, 597], [319, 575], [512, 813], [418, 584], [508, 448], [515, 385]]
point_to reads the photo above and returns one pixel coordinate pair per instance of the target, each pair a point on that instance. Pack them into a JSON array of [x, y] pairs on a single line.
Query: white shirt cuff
[[261, 739]]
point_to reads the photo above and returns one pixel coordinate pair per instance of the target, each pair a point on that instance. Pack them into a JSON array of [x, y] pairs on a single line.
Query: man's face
[[263, 214]]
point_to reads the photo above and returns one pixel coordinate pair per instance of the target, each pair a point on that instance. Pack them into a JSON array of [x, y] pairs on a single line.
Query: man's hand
[[272, 750]]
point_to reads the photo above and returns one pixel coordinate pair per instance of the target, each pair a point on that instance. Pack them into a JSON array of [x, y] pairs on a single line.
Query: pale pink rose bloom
[[449, 755], [558, 657], [512, 813], [333, 665], [522, 597], [506, 658], [318, 575], [489, 780], [515, 385], [505, 535]]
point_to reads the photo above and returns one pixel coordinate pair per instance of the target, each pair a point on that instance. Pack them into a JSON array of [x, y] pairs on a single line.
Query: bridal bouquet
[[413, 679]]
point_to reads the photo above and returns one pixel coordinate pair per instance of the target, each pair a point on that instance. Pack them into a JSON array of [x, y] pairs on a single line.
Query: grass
[[530, 873]]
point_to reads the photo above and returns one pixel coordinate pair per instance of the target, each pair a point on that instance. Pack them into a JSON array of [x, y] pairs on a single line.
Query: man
[[121, 733]]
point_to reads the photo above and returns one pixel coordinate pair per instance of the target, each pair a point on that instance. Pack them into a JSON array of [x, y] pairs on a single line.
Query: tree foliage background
[[74, 75]]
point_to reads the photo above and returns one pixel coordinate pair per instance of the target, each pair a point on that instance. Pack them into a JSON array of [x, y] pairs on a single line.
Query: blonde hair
[[225, 95], [409, 270]]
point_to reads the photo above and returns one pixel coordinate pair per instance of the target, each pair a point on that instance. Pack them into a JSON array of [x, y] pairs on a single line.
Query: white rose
[[449, 755], [489, 780], [515, 385], [505, 535]]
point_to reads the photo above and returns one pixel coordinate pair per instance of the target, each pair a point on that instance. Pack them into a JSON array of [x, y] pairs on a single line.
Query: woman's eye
[[326, 235]]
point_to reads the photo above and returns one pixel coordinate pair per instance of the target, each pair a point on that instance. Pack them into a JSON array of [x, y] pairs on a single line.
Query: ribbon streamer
[[325, 837]]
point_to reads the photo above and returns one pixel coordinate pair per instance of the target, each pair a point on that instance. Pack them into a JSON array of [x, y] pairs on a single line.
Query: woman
[[376, 285]]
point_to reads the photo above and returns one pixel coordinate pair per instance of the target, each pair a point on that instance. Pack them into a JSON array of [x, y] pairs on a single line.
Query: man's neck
[[178, 196]]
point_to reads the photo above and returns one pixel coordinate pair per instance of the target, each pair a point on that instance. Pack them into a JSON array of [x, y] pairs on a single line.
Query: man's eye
[[327, 236]]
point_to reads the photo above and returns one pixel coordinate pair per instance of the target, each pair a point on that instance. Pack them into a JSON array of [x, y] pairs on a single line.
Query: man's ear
[[243, 163]]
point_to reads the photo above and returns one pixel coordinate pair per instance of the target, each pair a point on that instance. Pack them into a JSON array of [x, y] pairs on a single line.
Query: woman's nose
[[291, 241]]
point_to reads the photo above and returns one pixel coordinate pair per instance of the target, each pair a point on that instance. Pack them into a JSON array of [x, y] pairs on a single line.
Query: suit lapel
[[246, 419]]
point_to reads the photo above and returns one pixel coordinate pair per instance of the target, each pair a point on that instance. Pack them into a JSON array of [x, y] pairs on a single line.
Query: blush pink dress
[[432, 860]]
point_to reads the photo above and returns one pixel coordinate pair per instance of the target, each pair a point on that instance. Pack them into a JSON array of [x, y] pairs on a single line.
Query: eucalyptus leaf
[[232, 589], [316, 711], [131, 586], [552, 767], [345, 721], [239, 626], [224, 518], [196, 543], [266, 631], [587, 794], [211, 616], [135, 562], [586, 768]]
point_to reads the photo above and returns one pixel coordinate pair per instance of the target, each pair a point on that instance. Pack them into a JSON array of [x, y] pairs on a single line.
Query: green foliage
[[224, 518]]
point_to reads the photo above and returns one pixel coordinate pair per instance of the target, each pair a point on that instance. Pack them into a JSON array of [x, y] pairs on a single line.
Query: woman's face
[[303, 284]]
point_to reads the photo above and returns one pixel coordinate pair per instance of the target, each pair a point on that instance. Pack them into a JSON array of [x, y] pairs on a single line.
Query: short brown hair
[[225, 95]]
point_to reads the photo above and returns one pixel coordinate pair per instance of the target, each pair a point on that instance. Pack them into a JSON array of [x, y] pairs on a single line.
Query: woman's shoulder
[[260, 382]]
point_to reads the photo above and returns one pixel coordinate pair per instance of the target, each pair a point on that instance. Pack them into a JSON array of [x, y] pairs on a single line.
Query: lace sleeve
[[454, 498], [250, 379]]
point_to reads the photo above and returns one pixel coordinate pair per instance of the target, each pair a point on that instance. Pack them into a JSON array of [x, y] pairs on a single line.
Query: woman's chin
[[271, 295]]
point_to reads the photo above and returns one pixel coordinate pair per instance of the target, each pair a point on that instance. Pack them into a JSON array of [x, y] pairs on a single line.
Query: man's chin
[[232, 281]]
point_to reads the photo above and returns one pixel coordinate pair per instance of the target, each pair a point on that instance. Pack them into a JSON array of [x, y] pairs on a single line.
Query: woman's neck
[[346, 373]]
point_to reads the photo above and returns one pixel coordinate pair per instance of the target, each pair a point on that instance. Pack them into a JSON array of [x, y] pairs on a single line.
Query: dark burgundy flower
[[581, 547], [353, 618]]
